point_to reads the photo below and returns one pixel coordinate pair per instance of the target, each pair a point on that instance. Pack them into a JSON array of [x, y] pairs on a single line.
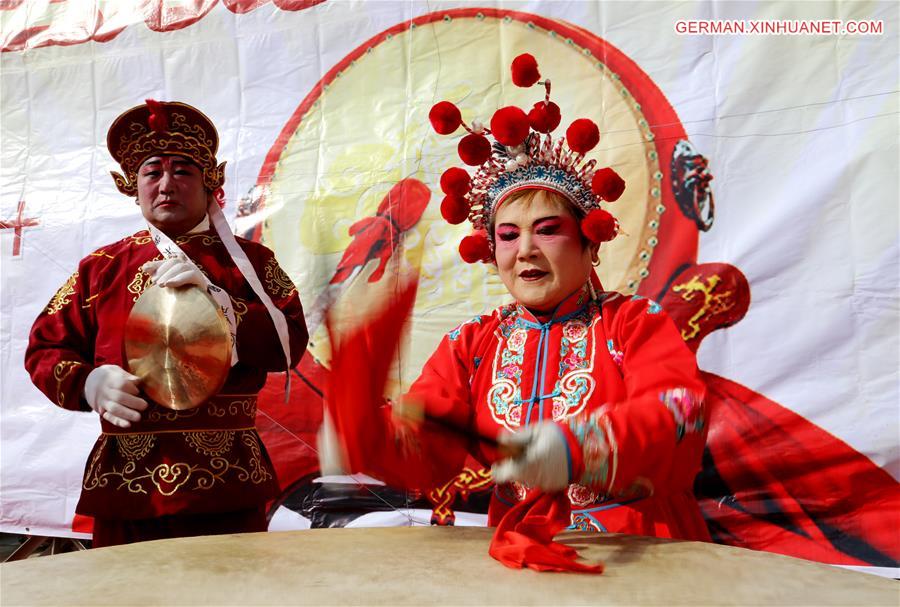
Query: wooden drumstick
[[413, 412]]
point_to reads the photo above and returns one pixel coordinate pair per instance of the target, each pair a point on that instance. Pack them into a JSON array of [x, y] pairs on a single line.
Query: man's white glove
[[113, 393], [543, 461], [174, 272], [331, 455]]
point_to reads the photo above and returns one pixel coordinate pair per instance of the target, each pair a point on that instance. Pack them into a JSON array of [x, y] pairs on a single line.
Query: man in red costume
[[156, 472]]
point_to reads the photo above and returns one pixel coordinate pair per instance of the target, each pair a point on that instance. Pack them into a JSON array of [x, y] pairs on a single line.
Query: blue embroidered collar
[[566, 309]]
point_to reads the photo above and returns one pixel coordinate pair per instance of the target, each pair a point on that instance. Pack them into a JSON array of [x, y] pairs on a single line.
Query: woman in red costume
[[589, 396]]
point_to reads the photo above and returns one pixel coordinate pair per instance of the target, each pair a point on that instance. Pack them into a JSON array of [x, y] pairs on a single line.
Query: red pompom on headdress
[[474, 149], [544, 116], [518, 152], [475, 247], [525, 70], [607, 184], [454, 209], [159, 119], [599, 226], [445, 117], [455, 181], [582, 135], [509, 125]]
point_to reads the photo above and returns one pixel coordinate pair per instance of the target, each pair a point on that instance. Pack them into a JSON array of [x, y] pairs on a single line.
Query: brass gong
[[177, 341]]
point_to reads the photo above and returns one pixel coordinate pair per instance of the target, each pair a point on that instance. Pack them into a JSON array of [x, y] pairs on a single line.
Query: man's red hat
[[163, 127]]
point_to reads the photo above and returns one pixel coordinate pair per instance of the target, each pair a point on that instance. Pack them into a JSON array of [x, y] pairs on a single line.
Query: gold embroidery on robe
[[206, 239], [465, 482], [62, 295], [278, 283], [210, 443], [91, 479], [258, 472], [141, 240], [159, 414], [140, 282], [246, 406], [169, 478], [135, 446], [240, 308], [61, 371]]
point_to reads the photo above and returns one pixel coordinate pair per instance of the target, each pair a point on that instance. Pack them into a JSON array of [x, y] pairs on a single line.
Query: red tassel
[[544, 116], [159, 119], [599, 226], [475, 247], [607, 184], [455, 181], [525, 70], [454, 209], [582, 135], [509, 125], [445, 117], [524, 537], [474, 149]]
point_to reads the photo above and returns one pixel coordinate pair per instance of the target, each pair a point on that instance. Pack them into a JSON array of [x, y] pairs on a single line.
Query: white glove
[[174, 272], [113, 393], [331, 456], [543, 462]]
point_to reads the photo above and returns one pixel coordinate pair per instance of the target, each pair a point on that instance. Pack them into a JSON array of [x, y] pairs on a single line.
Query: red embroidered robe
[[206, 459], [616, 376]]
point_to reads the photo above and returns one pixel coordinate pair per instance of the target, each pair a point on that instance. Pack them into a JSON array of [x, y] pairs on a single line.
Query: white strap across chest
[[170, 250]]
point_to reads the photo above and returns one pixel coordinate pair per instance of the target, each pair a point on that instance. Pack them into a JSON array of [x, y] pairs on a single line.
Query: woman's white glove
[[543, 460], [113, 392], [174, 272]]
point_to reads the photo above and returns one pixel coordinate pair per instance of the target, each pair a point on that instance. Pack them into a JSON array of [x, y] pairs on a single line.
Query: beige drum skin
[[426, 566]]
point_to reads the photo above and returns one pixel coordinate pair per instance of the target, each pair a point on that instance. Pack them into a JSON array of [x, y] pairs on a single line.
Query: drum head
[[177, 342]]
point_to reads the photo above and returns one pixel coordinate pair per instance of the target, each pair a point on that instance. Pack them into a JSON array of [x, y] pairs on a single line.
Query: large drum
[[424, 566]]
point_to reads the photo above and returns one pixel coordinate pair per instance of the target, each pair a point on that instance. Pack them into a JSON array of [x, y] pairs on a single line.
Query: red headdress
[[162, 127], [523, 156]]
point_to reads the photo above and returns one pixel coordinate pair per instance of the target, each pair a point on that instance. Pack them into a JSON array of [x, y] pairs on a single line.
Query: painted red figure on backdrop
[[377, 237]]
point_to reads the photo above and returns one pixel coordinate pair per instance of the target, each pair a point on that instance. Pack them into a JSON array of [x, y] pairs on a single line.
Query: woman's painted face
[[540, 252]]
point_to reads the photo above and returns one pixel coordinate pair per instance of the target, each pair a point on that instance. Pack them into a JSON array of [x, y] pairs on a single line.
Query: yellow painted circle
[[369, 129]]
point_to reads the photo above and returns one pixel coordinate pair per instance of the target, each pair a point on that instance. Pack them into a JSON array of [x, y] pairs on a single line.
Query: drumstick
[[414, 412]]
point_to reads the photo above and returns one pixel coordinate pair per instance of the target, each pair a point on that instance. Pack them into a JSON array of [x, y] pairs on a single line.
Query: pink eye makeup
[[506, 233], [548, 227], [557, 227]]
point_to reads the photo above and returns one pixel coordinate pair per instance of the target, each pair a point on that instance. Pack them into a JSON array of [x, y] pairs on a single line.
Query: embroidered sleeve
[[653, 439], [257, 339], [60, 349]]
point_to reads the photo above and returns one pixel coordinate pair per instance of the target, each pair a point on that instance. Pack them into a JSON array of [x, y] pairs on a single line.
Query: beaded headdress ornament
[[523, 156], [163, 127]]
